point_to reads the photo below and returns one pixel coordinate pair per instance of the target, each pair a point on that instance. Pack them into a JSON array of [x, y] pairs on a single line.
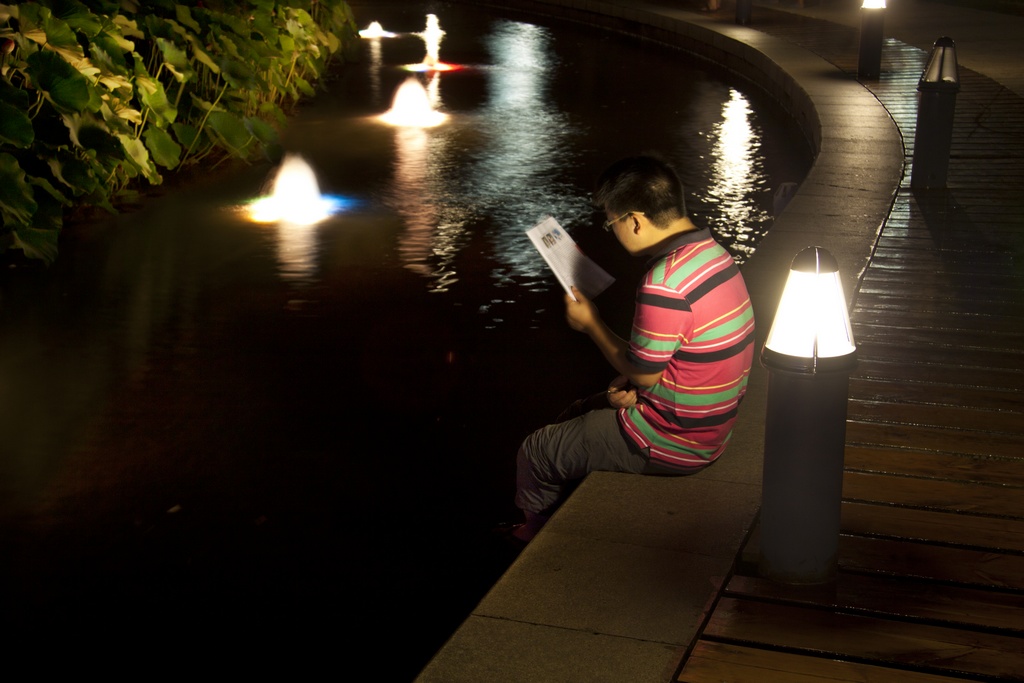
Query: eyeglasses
[[608, 224]]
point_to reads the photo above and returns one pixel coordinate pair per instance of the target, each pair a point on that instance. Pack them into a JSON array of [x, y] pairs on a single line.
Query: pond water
[[308, 430]]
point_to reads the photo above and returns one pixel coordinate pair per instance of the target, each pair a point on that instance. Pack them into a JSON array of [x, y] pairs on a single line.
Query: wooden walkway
[[931, 578]]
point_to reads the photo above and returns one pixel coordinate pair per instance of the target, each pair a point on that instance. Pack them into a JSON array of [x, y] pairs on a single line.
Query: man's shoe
[[505, 534]]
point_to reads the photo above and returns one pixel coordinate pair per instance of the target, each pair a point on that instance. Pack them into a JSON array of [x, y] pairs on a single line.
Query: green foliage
[[97, 96]]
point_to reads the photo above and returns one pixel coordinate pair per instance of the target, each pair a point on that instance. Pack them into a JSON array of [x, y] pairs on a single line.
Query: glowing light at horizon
[[432, 40], [439, 66], [432, 36], [295, 197], [411, 107], [375, 30]]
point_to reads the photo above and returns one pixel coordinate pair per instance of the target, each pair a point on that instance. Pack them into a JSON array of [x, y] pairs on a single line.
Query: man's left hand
[[621, 394]]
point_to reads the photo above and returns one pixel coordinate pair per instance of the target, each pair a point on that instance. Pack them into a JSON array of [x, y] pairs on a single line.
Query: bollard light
[[933, 137], [811, 330], [809, 354], [869, 62]]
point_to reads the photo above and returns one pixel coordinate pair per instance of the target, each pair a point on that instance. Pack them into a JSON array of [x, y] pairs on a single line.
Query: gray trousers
[[553, 459]]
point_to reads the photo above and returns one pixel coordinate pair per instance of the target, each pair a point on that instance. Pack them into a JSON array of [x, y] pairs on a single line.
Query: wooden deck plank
[[927, 280], [934, 393], [953, 261], [910, 231], [939, 439], [968, 417], [911, 239], [893, 370], [963, 294], [970, 346], [966, 347], [938, 263], [991, 533], [897, 598], [932, 562], [902, 311], [941, 284], [935, 494], [934, 225], [918, 315], [888, 302], [712, 662], [931, 649], [960, 300], [951, 466]]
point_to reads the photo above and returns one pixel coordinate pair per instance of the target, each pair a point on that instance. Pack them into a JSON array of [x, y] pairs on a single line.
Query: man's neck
[[682, 225], [669, 234]]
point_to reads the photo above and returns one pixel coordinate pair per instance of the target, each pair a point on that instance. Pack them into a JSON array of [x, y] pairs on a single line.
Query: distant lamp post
[[872, 15], [743, 12], [809, 354]]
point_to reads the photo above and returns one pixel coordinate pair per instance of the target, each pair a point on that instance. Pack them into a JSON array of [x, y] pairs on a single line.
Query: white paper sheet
[[571, 266]]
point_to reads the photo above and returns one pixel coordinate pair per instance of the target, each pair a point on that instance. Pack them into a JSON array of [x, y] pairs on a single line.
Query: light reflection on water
[[296, 251], [529, 142], [434, 223], [737, 172], [497, 167], [516, 147], [375, 61]]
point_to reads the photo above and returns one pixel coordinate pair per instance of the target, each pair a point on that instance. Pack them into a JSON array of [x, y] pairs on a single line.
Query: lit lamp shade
[[942, 71], [811, 332], [873, 4]]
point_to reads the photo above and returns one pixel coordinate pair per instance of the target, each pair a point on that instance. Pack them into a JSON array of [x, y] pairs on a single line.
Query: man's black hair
[[645, 183]]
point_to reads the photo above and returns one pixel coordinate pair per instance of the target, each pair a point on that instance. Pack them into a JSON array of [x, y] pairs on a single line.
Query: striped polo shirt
[[693, 319]]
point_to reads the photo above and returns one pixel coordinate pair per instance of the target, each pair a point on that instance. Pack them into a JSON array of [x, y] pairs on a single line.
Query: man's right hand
[[581, 314]]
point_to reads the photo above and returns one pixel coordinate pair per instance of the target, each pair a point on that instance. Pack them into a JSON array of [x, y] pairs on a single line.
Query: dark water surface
[[213, 426]]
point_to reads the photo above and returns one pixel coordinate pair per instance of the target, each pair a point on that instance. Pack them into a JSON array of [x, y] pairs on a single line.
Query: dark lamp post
[[869, 61], [809, 354], [743, 12]]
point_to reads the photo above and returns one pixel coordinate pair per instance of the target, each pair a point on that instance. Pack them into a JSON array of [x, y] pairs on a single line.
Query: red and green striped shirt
[[693, 319]]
